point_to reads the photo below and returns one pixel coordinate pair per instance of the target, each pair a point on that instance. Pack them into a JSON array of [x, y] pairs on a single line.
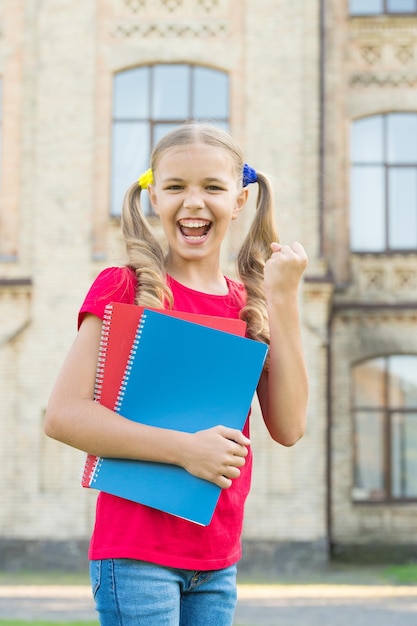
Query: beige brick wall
[[371, 69], [361, 335], [57, 59], [63, 90]]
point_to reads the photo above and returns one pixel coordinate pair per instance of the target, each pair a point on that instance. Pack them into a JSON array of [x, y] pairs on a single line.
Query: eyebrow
[[213, 179], [209, 179]]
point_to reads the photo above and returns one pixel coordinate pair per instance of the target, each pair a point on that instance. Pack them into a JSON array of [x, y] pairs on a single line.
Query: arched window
[[383, 208], [377, 7], [385, 427], [150, 100]]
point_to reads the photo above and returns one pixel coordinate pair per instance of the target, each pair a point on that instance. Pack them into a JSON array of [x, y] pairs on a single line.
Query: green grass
[[339, 573], [402, 574]]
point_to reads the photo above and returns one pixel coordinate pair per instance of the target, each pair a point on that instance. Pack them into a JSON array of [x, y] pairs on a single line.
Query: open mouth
[[193, 228]]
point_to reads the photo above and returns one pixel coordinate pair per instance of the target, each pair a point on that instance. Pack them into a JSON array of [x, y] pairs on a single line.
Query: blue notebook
[[187, 377]]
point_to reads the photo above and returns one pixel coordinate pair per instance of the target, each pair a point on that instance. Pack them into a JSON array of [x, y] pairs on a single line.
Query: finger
[[286, 250], [235, 435], [239, 451], [281, 249], [232, 472], [224, 482], [297, 247], [239, 461]]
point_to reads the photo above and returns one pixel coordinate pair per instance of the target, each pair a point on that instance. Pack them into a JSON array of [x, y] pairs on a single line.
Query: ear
[[152, 198], [240, 202]]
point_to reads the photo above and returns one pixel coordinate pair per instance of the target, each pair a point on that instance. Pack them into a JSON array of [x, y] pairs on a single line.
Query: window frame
[[388, 415], [386, 166], [154, 122], [385, 11]]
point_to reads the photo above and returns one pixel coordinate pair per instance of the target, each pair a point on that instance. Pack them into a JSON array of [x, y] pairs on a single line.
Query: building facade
[[321, 95]]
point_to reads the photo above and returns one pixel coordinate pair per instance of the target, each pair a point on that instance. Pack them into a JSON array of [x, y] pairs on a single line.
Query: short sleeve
[[114, 284]]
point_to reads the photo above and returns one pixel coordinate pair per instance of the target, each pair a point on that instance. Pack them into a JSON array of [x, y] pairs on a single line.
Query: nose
[[193, 199]]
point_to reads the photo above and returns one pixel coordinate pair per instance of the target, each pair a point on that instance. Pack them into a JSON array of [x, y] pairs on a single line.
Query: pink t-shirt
[[124, 529]]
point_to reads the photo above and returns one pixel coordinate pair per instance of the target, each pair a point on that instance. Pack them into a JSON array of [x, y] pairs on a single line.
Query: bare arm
[[283, 390], [74, 418]]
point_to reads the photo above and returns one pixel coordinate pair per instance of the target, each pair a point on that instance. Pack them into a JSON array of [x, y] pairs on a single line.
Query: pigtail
[[145, 255], [251, 259]]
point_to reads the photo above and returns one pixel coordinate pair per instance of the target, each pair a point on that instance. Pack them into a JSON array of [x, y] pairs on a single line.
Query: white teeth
[[193, 223]]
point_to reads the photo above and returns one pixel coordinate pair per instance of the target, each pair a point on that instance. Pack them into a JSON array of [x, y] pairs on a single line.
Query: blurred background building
[[322, 96]]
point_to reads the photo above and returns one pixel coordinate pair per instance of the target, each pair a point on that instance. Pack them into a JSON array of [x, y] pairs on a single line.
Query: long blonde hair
[[147, 258]]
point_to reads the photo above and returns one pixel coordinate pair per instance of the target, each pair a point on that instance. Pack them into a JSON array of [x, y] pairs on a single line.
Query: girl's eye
[[214, 188], [174, 187]]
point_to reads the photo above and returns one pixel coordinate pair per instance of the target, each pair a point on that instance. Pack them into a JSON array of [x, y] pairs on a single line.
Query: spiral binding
[[102, 353], [90, 467], [96, 469], [92, 463], [128, 369]]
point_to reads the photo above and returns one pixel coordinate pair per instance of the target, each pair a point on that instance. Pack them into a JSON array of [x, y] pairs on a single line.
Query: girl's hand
[[216, 455], [284, 269], [283, 388]]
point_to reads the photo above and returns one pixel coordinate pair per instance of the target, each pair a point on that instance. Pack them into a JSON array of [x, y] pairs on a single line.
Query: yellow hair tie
[[146, 179]]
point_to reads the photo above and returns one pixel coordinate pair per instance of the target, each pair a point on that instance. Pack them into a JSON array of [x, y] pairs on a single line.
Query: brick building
[[322, 96]]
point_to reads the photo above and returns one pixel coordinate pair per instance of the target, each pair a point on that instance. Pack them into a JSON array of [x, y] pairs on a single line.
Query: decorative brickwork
[[171, 18], [382, 53], [184, 8], [169, 30]]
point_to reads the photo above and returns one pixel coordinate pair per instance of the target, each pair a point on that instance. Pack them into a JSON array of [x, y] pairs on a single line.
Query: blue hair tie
[[249, 175]]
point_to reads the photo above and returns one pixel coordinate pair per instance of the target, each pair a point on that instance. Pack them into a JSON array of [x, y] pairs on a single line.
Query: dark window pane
[[369, 383], [130, 159], [402, 208], [131, 94], [152, 100], [159, 130], [402, 138], [367, 225], [367, 140], [403, 381], [401, 6], [366, 7], [210, 94], [404, 455], [396, 419], [171, 92], [369, 468]]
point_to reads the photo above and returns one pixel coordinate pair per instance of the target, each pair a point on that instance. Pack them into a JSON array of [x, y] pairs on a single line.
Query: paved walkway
[[327, 605], [275, 605]]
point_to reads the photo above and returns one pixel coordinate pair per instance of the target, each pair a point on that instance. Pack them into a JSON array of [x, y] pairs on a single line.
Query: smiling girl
[[148, 567]]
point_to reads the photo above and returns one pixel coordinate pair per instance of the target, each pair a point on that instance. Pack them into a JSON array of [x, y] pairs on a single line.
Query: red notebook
[[120, 324]]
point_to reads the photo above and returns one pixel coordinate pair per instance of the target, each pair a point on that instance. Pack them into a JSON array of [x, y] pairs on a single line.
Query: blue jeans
[[135, 593]]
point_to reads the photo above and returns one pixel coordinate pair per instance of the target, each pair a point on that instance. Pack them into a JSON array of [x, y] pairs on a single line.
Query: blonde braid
[[145, 255], [251, 259]]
